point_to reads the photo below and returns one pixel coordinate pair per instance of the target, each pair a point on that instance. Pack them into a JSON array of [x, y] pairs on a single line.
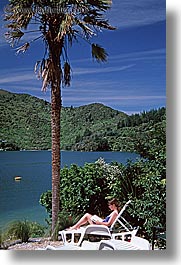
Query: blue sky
[[132, 80]]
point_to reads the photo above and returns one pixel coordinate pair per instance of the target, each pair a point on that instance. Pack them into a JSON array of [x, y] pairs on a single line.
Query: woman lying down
[[94, 219]]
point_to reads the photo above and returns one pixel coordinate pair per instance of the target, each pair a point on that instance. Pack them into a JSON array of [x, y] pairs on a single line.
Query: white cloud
[[82, 71], [115, 98], [16, 77], [155, 54], [130, 13]]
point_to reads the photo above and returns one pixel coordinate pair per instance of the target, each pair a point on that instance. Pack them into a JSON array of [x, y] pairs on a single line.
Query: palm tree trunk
[[56, 158], [55, 50], [54, 56]]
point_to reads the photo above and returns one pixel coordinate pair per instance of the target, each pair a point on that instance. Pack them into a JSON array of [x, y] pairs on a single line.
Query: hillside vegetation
[[25, 124]]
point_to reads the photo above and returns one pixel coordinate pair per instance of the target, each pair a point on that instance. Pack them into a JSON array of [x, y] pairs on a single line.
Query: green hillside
[[85, 127], [24, 121], [25, 124]]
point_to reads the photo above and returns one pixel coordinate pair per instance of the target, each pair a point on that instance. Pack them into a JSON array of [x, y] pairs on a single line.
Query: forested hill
[[25, 124]]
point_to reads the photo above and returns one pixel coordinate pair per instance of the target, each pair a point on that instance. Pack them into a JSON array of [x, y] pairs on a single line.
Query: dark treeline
[[154, 115]]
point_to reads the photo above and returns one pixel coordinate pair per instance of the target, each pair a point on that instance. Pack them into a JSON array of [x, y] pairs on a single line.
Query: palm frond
[[37, 69], [87, 31], [100, 4], [23, 48], [67, 74], [13, 37], [96, 21], [44, 70], [15, 15], [99, 53], [65, 26]]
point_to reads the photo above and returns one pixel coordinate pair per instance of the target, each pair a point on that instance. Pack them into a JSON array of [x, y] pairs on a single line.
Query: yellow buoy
[[17, 178]]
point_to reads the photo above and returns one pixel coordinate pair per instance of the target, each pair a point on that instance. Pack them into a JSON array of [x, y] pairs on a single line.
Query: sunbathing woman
[[94, 219]]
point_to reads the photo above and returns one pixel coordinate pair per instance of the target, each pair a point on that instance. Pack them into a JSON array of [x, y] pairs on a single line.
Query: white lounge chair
[[136, 243], [70, 236], [121, 229], [92, 237], [141, 243], [98, 237], [121, 220]]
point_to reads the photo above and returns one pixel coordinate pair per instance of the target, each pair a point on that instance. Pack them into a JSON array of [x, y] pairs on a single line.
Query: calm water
[[20, 199]]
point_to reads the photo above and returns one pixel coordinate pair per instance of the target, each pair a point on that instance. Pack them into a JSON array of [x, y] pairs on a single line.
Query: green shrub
[[2, 243], [37, 230], [82, 189], [23, 230], [87, 189], [18, 230]]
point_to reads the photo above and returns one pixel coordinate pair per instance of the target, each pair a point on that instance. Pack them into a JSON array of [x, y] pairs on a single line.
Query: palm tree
[[59, 23]]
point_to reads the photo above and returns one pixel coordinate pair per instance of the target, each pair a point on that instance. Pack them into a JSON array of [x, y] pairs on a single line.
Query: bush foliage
[[20, 230], [87, 188]]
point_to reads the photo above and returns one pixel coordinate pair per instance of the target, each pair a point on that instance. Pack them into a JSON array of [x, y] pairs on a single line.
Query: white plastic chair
[[136, 243], [141, 243], [126, 230], [121, 220], [117, 245], [69, 236], [92, 235]]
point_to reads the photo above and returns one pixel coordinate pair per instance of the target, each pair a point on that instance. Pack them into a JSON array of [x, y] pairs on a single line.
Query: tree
[[58, 23]]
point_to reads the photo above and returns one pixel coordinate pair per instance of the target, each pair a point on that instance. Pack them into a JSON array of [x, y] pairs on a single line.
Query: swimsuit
[[107, 218]]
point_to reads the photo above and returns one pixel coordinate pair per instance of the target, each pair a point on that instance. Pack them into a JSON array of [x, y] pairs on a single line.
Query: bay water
[[19, 200]]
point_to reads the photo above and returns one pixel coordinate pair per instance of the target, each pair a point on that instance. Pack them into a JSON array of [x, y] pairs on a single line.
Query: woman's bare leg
[[85, 219]]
